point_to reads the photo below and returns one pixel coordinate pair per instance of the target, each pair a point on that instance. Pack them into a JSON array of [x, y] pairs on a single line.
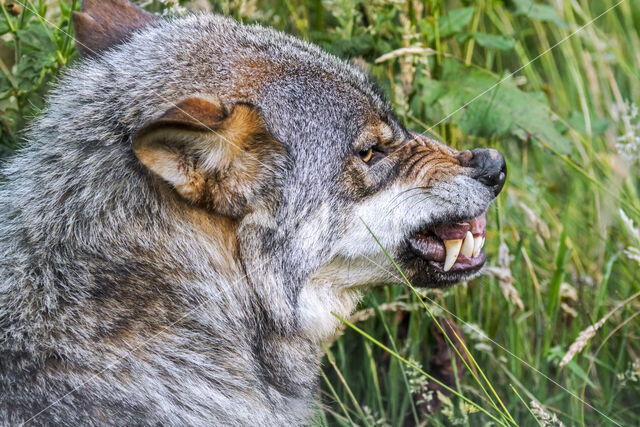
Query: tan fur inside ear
[[234, 132], [172, 164], [208, 154]]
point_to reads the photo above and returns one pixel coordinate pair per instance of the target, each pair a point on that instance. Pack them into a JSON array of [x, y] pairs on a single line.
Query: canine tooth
[[467, 245], [453, 250], [477, 245]]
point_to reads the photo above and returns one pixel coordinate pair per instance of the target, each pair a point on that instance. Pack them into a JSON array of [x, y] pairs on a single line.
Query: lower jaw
[[463, 265], [424, 273]]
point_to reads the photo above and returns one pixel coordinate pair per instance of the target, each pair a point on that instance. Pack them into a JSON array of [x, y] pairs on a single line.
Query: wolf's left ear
[[103, 24], [219, 156]]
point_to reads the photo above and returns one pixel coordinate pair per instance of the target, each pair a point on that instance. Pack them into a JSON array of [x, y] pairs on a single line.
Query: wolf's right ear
[[103, 24], [211, 154]]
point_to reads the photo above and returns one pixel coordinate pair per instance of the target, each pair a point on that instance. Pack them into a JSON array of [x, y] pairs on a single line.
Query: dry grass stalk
[[633, 253], [631, 228], [544, 417], [583, 337], [412, 50], [535, 222], [368, 313], [504, 277]]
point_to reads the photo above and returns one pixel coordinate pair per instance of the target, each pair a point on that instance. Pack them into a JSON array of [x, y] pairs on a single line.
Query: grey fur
[[109, 289]]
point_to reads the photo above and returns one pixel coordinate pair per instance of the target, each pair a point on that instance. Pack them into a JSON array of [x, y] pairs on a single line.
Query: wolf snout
[[488, 166]]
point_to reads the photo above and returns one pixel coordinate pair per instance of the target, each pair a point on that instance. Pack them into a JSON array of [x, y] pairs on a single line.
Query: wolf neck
[[132, 276]]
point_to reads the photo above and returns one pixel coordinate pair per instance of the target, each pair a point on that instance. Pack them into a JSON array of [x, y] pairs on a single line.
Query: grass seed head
[[545, 418]]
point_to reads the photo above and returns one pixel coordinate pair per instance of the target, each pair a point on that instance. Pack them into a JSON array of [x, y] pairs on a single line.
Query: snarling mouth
[[450, 248]]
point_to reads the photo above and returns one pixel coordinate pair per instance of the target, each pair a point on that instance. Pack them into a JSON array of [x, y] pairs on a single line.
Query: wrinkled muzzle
[[448, 248], [432, 217]]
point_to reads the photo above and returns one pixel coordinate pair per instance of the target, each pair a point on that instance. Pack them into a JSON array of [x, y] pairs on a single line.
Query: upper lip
[[452, 246]]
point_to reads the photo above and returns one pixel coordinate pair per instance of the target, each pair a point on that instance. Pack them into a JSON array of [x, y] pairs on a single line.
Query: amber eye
[[366, 155]]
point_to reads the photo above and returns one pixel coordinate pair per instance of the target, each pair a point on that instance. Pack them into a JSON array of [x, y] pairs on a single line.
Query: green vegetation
[[554, 85]]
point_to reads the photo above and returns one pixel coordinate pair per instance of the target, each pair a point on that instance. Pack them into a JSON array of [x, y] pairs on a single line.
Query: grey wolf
[[188, 212]]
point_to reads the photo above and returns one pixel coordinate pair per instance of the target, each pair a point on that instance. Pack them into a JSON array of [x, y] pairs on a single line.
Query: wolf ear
[[103, 24], [210, 154]]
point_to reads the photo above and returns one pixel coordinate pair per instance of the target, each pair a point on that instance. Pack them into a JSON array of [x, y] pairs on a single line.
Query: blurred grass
[[561, 254]]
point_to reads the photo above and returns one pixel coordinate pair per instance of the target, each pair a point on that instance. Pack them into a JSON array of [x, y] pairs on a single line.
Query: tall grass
[[565, 260], [562, 244]]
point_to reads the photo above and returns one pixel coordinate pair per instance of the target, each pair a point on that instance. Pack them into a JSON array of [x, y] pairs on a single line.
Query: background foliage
[[552, 327]]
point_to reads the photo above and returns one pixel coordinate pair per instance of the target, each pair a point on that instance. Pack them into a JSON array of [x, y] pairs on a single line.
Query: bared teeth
[[467, 245], [478, 243], [453, 250]]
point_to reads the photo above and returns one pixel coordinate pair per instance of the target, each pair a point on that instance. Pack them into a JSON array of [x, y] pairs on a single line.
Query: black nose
[[488, 167]]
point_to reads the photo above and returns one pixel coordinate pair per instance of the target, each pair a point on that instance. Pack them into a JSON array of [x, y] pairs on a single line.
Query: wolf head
[[298, 149]]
